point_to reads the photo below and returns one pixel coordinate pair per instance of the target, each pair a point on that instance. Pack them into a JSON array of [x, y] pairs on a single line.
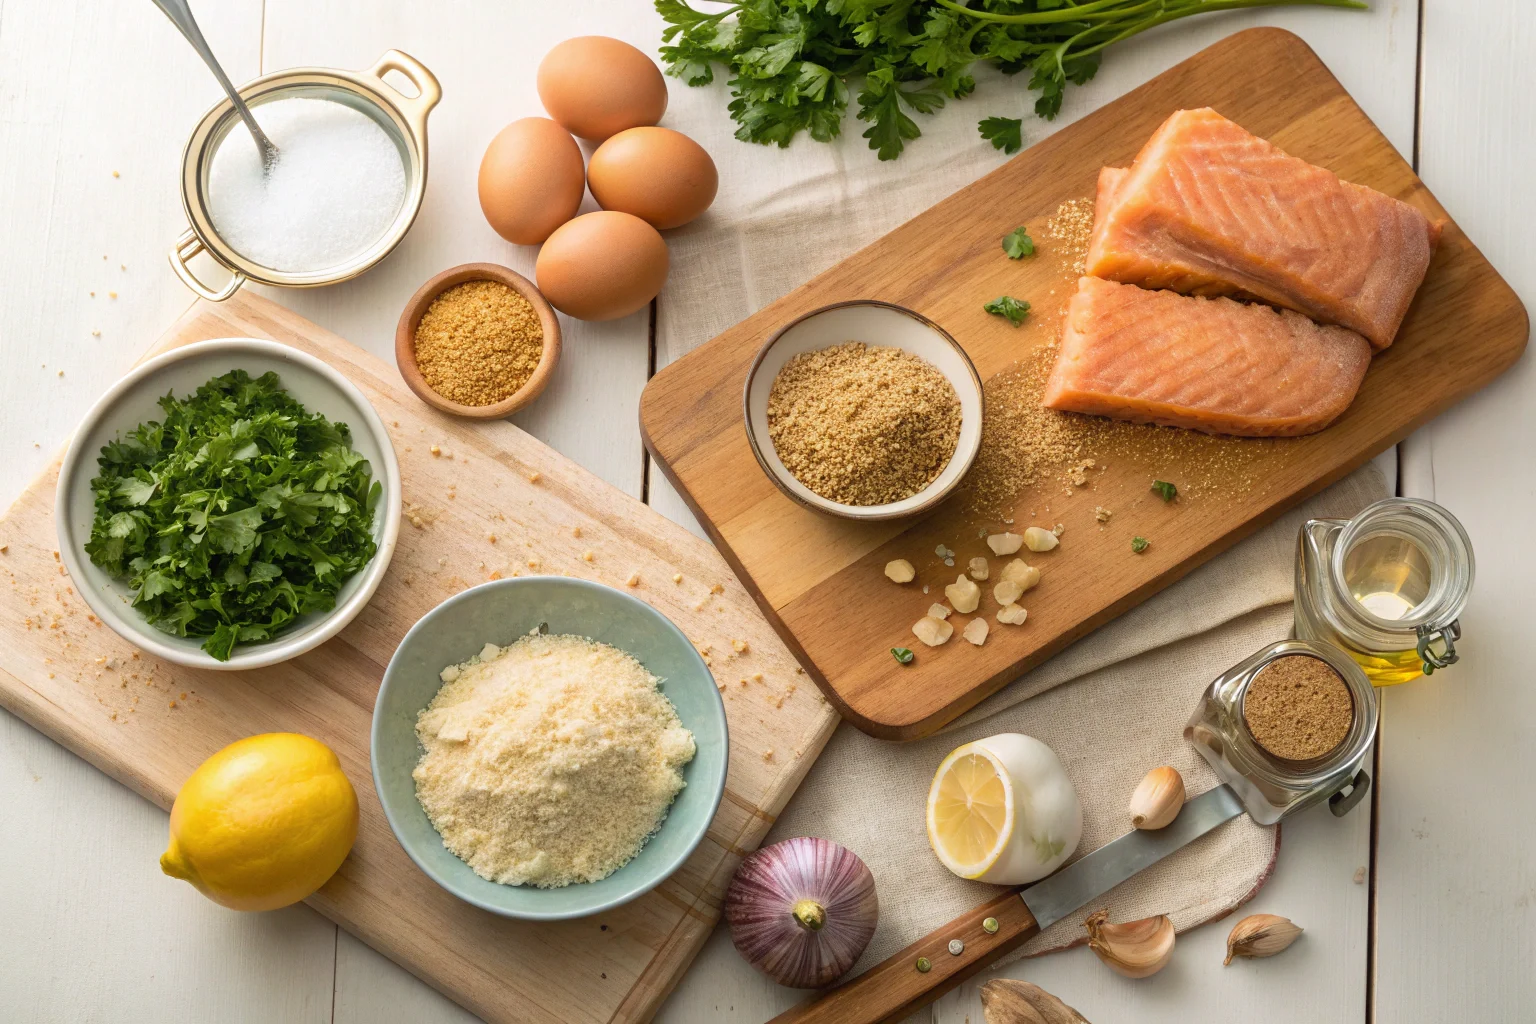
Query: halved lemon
[[970, 811], [1002, 810]]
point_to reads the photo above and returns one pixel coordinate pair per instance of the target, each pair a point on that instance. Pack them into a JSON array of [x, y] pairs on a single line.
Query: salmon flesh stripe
[[1208, 209], [1209, 364]]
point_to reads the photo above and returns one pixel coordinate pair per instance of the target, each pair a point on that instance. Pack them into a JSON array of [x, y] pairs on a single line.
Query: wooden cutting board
[[819, 579], [149, 724]]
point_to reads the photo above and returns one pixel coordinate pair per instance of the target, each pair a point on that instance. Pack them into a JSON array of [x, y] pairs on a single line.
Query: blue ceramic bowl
[[499, 612]]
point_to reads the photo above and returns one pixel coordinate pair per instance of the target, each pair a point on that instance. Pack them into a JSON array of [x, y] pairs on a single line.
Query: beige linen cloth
[[1113, 705]]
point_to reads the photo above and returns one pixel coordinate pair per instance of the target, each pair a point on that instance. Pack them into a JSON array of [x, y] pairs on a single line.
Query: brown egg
[[596, 86], [602, 266], [531, 180], [657, 174]]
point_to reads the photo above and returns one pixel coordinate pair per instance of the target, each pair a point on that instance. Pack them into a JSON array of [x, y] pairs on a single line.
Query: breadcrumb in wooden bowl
[[478, 341]]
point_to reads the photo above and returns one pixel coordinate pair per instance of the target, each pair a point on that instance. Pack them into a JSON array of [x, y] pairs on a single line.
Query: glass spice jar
[[1273, 787], [1385, 587]]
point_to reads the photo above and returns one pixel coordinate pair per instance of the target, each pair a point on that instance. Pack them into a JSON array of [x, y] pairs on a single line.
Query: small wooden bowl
[[405, 340]]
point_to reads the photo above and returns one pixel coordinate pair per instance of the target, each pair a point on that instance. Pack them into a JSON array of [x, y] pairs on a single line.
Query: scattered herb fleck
[[1010, 307], [1139, 544], [234, 515], [1165, 490], [1017, 244], [902, 654], [1005, 133]]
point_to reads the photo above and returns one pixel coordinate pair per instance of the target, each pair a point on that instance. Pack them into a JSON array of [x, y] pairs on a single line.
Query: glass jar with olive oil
[[1385, 587]]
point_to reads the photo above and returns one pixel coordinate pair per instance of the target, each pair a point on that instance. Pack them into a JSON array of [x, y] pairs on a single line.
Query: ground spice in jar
[[863, 424], [1298, 708], [478, 343]]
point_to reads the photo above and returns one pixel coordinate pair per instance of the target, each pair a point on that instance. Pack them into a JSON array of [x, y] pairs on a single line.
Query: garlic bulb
[[1260, 935], [1136, 949], [801, 911], [1158, 798]]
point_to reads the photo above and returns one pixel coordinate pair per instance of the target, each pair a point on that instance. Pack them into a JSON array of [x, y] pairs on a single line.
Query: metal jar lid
[[403, 118]]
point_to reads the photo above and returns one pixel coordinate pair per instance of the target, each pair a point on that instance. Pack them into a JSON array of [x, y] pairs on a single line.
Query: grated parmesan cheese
[[549, 761]]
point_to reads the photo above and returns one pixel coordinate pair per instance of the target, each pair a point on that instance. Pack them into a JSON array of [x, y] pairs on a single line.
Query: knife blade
[[1103, 869]]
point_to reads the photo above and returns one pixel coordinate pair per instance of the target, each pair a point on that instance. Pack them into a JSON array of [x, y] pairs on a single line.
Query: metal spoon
[[181, 16]]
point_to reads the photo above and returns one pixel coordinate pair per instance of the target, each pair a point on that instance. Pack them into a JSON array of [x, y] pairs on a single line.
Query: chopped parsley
[[1017, 244], [1005, 133], [1165, 490], [1139, 544], [1010, 307], [236, 514], [902, 654]]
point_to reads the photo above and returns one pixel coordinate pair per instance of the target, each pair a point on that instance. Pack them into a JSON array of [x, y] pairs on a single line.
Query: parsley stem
[[1116, 10]]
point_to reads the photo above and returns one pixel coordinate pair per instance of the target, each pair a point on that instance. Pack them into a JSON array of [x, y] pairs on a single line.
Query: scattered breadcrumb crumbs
[[576, 531], [1101, 513], [757, 677], [587, 556], [633, 581], [677, 577], [534, 478], [717, 589], [435, 450], [739, 646], [768, 754]]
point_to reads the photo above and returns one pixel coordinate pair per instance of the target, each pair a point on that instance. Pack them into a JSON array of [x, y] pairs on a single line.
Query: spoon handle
[[181, 16]]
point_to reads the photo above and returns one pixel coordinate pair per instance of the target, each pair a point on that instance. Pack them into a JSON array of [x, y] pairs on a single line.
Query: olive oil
[[1385, 587]]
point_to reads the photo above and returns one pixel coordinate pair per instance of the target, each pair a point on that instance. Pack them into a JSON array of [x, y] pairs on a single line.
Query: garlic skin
[[802, 911], [1157, 799], [1136, 949], [1006, 1001], [1260, 935]]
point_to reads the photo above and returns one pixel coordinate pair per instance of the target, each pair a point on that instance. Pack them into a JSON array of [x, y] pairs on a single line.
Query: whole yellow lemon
[[262, 823]]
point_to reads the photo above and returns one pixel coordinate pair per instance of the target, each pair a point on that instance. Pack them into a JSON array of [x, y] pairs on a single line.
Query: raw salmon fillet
[[1208, 209], [1210, 364]]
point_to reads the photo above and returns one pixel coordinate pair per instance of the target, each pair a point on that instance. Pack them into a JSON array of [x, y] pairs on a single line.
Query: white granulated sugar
[[550, 761], [336, 187]]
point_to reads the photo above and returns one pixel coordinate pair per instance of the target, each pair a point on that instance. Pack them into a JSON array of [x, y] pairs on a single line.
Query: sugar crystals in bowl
[[337, 186]]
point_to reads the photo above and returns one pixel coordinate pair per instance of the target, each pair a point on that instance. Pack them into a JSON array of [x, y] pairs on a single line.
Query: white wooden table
[[1443, 927]]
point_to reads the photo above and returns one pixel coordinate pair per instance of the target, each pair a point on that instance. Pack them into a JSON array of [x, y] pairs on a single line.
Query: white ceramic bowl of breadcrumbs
[[865, 410]]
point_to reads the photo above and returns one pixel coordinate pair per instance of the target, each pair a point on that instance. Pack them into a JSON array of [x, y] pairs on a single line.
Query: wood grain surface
[[149, 724], [819, 579]]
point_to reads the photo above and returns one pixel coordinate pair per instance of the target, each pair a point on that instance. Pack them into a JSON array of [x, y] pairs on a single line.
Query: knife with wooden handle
[[892, 989]]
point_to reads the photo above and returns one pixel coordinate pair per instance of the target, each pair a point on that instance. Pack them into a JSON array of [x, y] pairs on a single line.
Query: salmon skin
[[1208, 209], [1209, 364]]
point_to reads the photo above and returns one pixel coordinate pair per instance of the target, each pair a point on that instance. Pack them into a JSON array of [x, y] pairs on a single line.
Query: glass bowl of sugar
[[344, 190]]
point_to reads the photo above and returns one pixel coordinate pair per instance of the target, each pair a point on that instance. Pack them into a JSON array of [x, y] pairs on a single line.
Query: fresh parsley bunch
[[236, 514], [794, 64]]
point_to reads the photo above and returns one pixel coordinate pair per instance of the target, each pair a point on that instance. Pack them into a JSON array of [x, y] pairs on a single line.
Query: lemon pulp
[[968, 816]]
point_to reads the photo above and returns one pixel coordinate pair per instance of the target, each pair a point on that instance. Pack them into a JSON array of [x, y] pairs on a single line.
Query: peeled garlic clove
[[964, 594], [1004, 543], [1158, 798], [938, 611], [1136, 949], [1007, 592], [976, 631], [1012, 614], [932, 631], [900, 571], [1260, 935], [1037, 539], [1021, 572], [979, 569]]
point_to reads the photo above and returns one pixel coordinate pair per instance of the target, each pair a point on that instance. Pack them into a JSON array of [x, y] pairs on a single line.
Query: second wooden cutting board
[[820, 580]]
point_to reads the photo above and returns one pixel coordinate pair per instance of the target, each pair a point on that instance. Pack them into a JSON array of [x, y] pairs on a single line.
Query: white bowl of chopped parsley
[[229, 504]]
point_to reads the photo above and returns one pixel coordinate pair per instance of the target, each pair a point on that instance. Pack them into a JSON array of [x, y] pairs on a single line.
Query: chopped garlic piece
[[1012, 614], [964, 594], [932, 632], [900, 571], [976, 631], [1037, 539], [979, 569], [1021, 572], [1007, 592], [1004, 543], [938, 611]]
